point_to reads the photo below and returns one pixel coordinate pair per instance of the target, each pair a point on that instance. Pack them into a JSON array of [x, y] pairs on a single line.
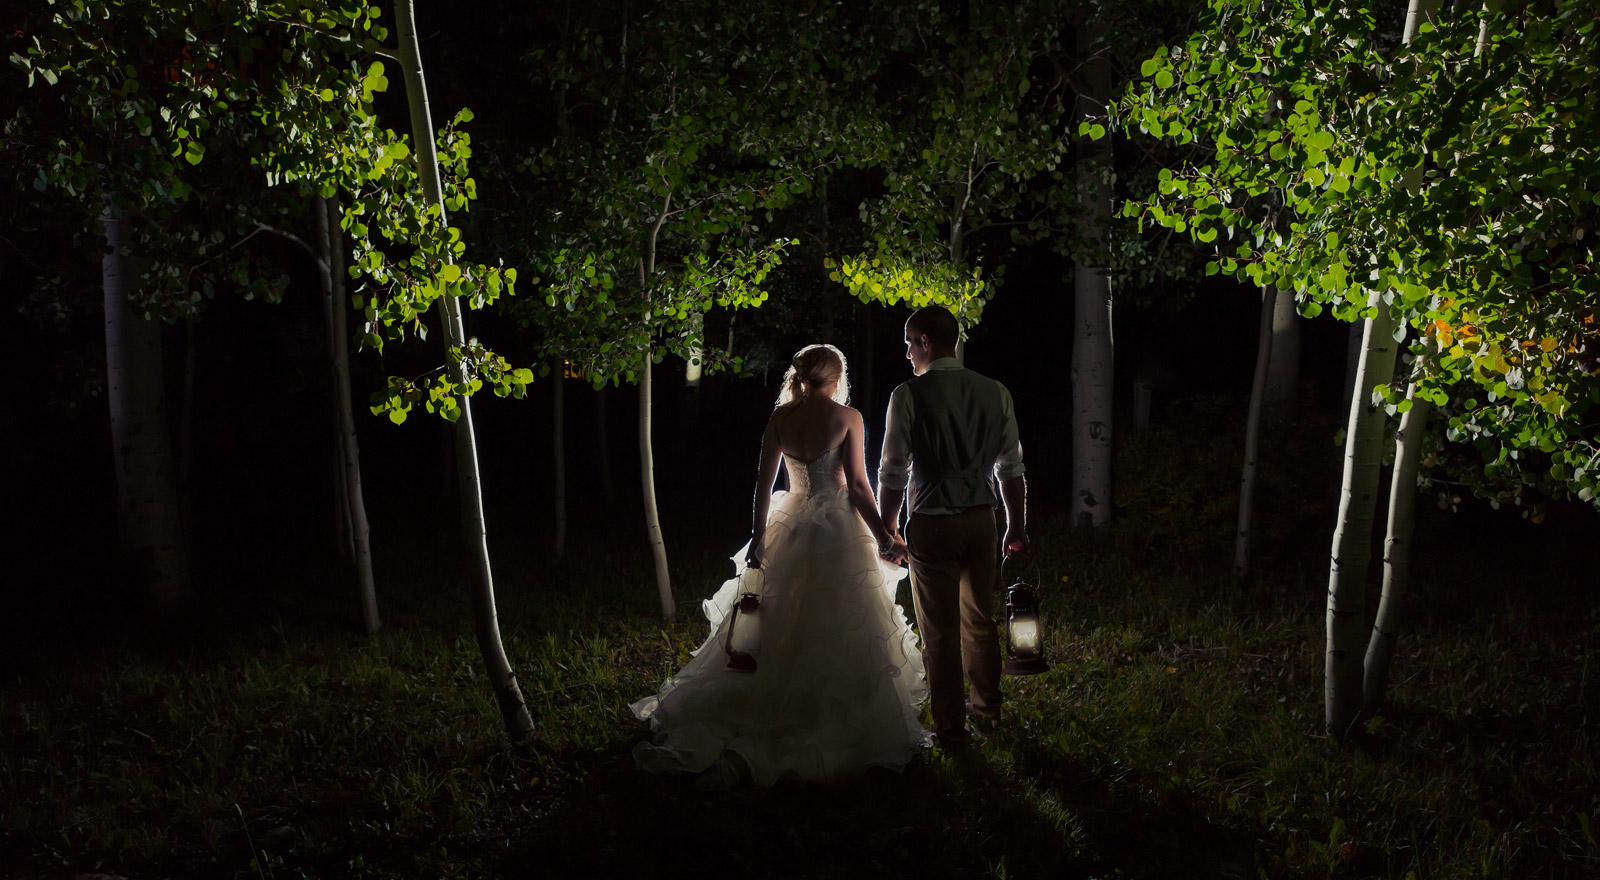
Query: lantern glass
[[744, 633], [1025, 634], [746, 636]]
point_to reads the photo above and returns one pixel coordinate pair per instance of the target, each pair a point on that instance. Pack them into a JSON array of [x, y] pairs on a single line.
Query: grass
[[1178, 734]]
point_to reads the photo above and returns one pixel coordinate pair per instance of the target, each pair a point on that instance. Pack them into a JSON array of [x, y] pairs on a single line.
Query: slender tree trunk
[[1386, 624], [344, 539], [1142, 394], [1283, 370], [141, 444], [343, 527], [1352, 536], [1346, 622], [652, 518], [1252, 433], [558, 432], [1396, 552], [1093, 348], [647, 457], [331, 236], [957, 248], [513, 709], [693, 368]]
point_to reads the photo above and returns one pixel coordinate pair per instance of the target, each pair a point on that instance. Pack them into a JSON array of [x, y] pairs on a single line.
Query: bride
[[838, 674]]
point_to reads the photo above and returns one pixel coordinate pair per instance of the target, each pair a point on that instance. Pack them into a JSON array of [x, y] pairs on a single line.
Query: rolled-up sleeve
[[894, 465], [1008, 465]]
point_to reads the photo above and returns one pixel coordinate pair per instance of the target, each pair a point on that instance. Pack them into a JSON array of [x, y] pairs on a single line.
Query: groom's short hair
[[939, 325]]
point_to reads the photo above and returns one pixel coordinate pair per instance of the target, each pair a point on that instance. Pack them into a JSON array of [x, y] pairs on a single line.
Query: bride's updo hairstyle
[[813, 367]]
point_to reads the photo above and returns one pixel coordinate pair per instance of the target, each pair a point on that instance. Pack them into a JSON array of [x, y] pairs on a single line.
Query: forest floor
[[1177, 734]]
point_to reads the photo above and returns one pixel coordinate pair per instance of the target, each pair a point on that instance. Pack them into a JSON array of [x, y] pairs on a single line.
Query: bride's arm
[[855, 475], [771, 453]]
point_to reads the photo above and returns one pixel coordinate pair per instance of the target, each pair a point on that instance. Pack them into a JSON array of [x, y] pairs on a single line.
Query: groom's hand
[[1016, 544], [896, 551]]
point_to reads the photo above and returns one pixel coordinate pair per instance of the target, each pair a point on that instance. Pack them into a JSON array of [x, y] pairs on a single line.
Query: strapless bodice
[[820, 474]]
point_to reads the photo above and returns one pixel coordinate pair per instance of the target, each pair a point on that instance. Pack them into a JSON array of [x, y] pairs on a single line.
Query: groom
[[947, 431]]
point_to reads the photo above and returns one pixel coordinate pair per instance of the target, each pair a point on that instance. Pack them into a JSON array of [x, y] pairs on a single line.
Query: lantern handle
[[1032, 559]]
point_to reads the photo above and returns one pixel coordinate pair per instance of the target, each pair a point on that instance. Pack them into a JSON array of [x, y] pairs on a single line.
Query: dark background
[[259, 504]]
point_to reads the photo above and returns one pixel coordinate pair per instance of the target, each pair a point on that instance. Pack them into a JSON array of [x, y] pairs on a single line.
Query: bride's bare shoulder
[[850, 413]]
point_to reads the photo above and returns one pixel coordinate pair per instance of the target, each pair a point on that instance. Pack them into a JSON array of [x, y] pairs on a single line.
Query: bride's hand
[[895, 551], [752, 560]]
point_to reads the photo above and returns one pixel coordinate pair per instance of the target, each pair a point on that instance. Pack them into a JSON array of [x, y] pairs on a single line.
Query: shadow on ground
[[945, 816]]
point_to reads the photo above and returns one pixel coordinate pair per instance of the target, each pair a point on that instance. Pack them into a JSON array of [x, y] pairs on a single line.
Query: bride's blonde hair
[[813, 367]]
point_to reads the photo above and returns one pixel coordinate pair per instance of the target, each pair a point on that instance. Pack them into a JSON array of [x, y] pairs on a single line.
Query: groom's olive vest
[[956, 432]]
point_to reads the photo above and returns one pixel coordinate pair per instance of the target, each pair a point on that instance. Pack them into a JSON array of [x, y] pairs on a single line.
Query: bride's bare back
[[811, 427]]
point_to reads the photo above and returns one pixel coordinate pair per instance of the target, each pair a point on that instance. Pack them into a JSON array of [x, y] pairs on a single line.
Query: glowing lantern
[[744, 633], [1024, 632]]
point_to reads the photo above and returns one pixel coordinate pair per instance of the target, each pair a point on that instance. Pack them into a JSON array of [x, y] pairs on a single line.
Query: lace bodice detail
[[824, 472]]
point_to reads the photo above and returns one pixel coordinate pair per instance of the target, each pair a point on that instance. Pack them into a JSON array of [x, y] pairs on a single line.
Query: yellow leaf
[[1548, 343]]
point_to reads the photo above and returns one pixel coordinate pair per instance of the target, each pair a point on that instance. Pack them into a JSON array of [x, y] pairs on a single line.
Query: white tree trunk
[[647, 456], [148, 516], [1283, 370], [1381, 644], [1396, 552], [652, 518], [508, 693], [1346, 621], [1352, 536], [352, 497], [558, 432], [1093, 349], [1252, 432]]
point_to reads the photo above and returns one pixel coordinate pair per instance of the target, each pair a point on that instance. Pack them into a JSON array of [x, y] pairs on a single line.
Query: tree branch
[[281, 233]]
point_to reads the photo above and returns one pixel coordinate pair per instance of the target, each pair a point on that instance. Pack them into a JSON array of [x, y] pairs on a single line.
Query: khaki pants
[[952, 582]]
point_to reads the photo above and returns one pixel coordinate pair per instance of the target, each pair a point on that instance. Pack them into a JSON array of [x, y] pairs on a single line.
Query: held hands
[[895, 551]]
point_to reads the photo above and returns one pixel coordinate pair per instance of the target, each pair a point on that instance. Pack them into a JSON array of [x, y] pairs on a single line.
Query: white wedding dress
[[839, 676]]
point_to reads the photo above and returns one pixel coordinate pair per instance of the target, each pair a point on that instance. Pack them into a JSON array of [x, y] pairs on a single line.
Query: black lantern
[[1024, 632], [744, 637]]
